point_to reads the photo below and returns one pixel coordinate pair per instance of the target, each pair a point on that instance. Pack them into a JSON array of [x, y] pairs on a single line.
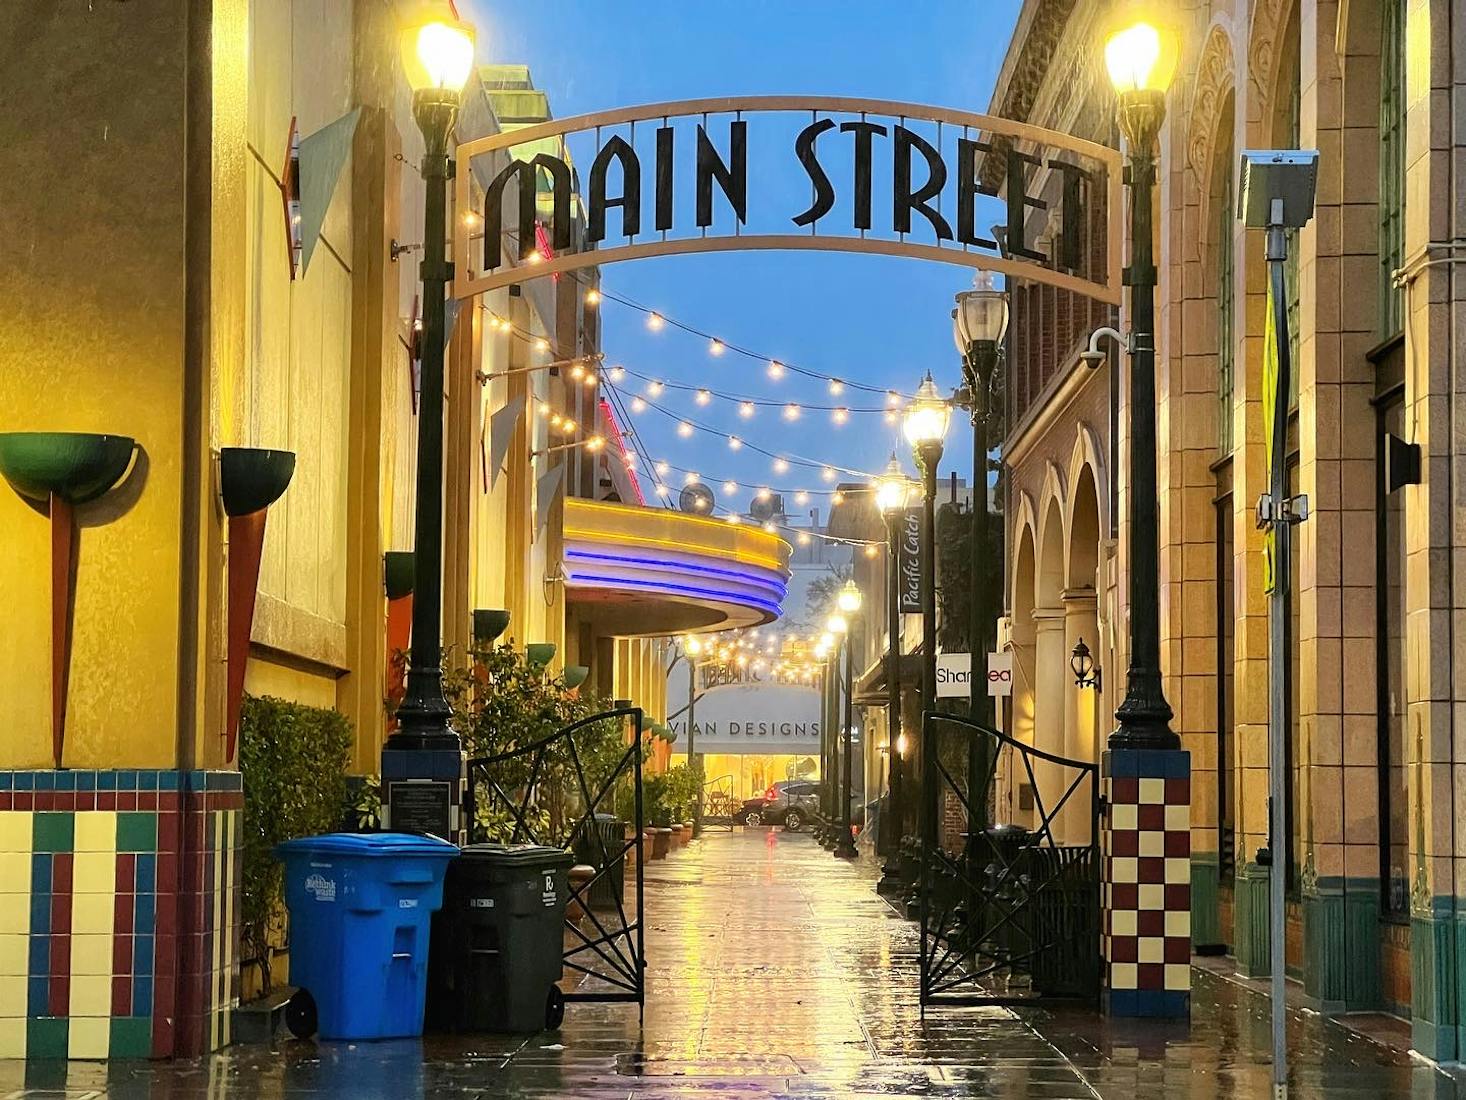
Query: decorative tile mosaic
[[1146, 884], [118, 912]]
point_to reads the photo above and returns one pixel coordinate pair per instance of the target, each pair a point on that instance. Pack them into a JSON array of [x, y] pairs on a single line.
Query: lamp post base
[[845, 846]]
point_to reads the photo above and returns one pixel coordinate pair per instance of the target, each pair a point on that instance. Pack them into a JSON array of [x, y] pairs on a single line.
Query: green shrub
[[682, 786], [293, 759]]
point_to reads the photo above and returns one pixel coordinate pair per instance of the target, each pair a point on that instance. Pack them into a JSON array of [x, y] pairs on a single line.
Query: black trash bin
[[603, 841], [498, 940]]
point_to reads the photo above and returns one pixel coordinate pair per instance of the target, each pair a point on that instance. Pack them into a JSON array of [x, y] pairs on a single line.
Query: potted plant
[[659, 813]]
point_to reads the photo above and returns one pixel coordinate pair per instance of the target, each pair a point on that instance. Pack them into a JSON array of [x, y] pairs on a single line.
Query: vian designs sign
[[787, 172], [754, 718]]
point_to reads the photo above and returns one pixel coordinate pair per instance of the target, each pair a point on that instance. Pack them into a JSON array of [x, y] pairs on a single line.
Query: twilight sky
[[878, 320]]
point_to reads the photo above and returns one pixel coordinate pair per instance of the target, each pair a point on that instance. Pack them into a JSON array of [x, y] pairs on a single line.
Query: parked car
[[789, 803]]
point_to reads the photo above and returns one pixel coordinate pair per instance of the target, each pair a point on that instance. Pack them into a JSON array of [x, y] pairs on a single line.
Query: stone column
[[1051, 673]]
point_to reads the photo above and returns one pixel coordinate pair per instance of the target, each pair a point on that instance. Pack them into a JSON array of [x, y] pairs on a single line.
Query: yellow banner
[[1270, 398]]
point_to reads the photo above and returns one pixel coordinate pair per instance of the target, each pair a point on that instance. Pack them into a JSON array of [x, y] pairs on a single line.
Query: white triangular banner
[[502, 426], [322, 156], [450, 319], [546, 490]]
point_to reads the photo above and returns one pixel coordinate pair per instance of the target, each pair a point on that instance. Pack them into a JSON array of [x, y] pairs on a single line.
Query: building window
[[1226, 318], [1391, 166], [1226, 671]]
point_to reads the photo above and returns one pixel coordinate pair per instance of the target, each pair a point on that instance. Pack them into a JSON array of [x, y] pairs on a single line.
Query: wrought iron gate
[[1009, 913], [548, 793]]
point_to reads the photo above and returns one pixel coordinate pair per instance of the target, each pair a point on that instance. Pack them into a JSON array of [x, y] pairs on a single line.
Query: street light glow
[[444, 56], [849, 599], [893, 488], [927, 416], [1139, 59]]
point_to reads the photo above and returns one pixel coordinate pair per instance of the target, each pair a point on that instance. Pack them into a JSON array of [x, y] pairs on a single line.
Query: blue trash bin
[[361, 906]]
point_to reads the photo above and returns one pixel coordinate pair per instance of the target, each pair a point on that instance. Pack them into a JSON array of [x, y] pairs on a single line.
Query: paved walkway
[[775, 970]]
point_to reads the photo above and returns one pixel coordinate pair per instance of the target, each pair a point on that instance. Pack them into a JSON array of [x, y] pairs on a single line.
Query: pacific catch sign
[[787, 172]]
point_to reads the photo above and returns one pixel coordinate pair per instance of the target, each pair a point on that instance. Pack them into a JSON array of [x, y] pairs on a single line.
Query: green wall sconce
[[61, 470], [488, 624], [398, 572], [250, 480], [540, 654], [575, 675]]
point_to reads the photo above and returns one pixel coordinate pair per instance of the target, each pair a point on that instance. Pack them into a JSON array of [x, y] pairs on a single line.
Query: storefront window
[[1393, 774], [1226, 670]]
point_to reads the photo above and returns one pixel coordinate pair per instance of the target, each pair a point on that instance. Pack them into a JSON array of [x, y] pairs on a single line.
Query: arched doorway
[[1051, 657]]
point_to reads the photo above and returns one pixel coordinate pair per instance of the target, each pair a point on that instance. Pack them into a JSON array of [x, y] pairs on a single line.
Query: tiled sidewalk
[[775, 970]]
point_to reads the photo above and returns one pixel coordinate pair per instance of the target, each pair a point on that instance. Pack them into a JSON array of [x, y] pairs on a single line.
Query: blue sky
[[881, 321]]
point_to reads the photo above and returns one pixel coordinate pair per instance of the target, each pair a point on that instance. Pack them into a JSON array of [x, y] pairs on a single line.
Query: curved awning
[[641, 572]]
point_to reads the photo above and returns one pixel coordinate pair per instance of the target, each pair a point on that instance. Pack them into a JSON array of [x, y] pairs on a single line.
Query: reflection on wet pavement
[[775, 970]]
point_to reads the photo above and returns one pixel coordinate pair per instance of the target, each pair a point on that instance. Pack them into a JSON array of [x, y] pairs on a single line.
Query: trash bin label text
[[320, 887], [407, 903]]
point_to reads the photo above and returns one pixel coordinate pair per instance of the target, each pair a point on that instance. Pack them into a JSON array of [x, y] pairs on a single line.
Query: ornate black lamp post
[[848, 601], [892, 494], [1140, 68], [926, 427], [438, 57], [978, 325]]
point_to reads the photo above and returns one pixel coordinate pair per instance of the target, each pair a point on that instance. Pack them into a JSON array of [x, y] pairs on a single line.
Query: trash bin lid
[[370, 844], [515, 855], [1004, 831]]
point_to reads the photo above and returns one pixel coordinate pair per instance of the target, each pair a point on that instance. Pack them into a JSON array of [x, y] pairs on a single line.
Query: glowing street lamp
[[893, 492], [438, 57], [848, 600], [1141, 59]]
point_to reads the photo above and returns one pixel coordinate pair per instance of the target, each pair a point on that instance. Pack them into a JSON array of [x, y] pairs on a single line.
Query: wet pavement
[[775, 970]]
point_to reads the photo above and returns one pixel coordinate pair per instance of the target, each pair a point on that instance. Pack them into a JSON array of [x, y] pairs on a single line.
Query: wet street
[[775, 970]]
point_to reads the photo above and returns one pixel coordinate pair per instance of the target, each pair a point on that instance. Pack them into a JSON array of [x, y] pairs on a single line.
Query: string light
[[617, 373], [638, 405], [716, 346], [662, 469], [730, 487], [776, 369], [836, 387], [703, 397], [689, 478], [837, 497], [541, 344], [734, 443], [592, 297], [763, 494], [781, 466], [684, 429], [828, 473], [655, 322], [769, 527], [801, 497], [745, 410], [732, 517], [654, 389], [839, 416], [791, 411]]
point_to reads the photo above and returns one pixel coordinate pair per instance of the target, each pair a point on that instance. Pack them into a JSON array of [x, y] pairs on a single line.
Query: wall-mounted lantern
[[1086, 672]]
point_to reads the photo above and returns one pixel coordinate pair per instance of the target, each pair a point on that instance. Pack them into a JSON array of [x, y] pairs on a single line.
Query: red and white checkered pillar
[[1145, 892]]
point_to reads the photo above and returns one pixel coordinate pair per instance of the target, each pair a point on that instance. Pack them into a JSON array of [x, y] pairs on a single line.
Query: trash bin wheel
[[300, 1014], [554, 1009]]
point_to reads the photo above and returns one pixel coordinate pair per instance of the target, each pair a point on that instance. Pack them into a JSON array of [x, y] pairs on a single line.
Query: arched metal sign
[[522, 217]]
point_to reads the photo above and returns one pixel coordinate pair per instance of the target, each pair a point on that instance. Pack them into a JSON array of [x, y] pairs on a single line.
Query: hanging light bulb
[[836, 387], [542, 344], [544, 407], [592, 297], [638, 405], [663, 491], [730, 487], [589, 381], [763, 494], [684, 429], [567, 426], [618, 373], [662, 469], [734, 443], [791, 411], [715, 346], [655, 322], [703, 397], [839, 416], [689, 478], [801, 497], [594, 443], [776, 369], [828, 473], [630, 459], [870, 550], [781, 466], [837, 498], [892, 416], [732, 517], [654, 389], [745, 410], [893, 399], [803, 538], [577, 371]]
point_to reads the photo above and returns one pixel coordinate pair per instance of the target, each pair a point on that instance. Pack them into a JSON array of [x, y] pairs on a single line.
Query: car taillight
[[770, 794]]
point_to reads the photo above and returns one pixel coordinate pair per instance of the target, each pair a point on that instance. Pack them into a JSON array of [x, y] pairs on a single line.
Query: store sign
[[908, 561], [867, 176], [1000, 674], [758, 719], [954, 673]]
